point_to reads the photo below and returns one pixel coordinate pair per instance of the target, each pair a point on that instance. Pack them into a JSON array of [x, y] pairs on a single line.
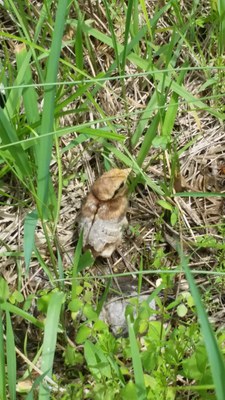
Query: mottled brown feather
[[103, 214]]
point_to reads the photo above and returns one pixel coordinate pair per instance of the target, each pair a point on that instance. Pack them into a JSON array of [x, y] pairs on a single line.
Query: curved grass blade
[[18, 311]]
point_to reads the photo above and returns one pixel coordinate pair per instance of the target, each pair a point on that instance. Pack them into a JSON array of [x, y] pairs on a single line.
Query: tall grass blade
[[214, 354], [221, 12], [2, 360], [79, 46], [137, 365], [114, 40], [50, 336], [144, 119], [126, 35], [14, 98], [29, 231], [19, 11], [47, 123], [11, 357], [135, 26], [30, 97], [76, 259], [9, 136], [147, 142]]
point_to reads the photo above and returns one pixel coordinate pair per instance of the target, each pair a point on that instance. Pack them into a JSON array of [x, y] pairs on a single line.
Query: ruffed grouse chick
[[103, 214]]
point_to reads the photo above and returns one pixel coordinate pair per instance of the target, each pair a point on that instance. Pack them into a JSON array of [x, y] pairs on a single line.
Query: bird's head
[[111, 184]]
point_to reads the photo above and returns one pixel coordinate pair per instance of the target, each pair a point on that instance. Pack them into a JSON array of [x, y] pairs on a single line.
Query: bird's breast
[[102, 223]]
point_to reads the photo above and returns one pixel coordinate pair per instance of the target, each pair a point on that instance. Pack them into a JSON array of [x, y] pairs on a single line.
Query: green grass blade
[[147, 142], [131, 162], [95, 133], [199, 194], [60, 269], [76, 259], [144, 65], [137, 365], [42, 19], [29, 231], [221, 12], [9, 136], [144, 119], [214, 354], [29, 94], [21, 313], [79, 46], [11, 357], [111, 27], [47, 123], [50, 336], [14, 98], [91, 358], [126, 36], [100, 133], [146, 17], [36, 383], [135, 27], [2, 361], [19, 11], [171, 113]]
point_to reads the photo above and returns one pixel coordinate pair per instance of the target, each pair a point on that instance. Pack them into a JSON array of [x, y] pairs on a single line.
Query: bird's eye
[[119, 188]]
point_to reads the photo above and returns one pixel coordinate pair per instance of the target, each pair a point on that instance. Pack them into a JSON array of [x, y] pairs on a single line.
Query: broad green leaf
[[91, 359], [182, 310], [86, 260], [97, 362], [82, 334], [164, 204]]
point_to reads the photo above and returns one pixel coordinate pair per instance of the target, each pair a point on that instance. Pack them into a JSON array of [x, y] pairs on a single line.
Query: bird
[[103, 214]]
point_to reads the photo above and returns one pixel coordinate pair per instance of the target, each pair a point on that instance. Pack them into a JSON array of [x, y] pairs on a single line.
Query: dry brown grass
[[200, 142]]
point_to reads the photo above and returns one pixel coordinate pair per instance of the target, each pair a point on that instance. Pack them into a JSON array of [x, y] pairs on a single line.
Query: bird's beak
[[128, 171]]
